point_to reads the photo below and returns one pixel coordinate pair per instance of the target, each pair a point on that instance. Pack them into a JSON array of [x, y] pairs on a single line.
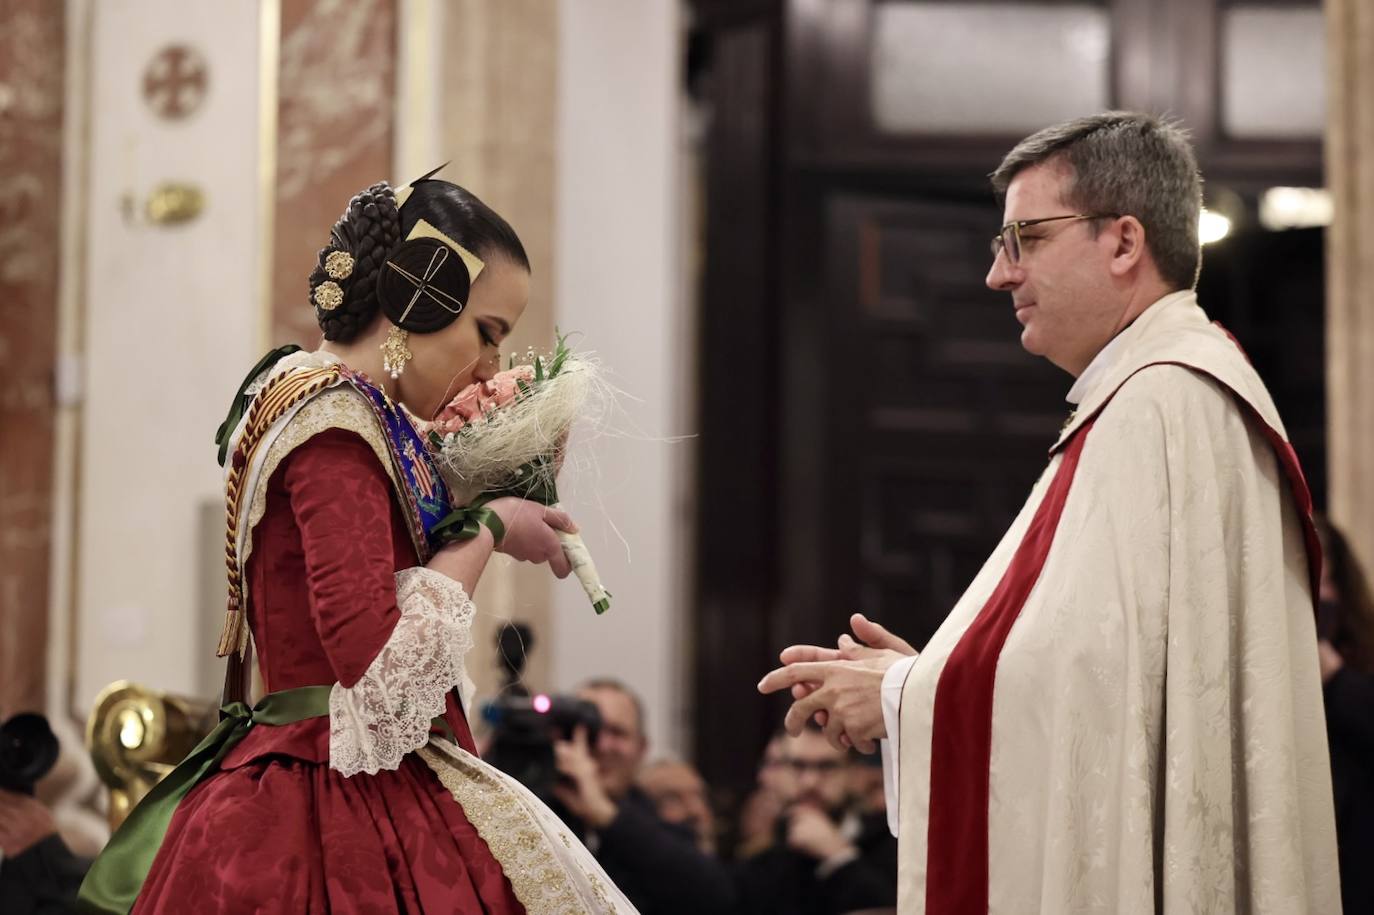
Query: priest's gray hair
[[1130, 164]]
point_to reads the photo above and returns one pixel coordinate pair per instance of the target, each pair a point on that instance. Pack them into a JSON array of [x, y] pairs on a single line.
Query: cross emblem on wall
[[175, 82]]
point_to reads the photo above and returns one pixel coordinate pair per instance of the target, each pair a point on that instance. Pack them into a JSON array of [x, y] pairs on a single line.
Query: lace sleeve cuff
[[387, 713]]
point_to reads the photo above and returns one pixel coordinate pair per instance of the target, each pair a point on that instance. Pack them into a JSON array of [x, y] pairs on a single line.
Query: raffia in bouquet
[[506, 437]]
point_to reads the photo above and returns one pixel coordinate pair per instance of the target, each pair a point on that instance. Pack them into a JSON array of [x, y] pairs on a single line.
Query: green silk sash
[[116, 877]]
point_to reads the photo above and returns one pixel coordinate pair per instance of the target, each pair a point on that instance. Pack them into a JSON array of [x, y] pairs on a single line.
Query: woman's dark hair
[[372, 228], [1353, 634]]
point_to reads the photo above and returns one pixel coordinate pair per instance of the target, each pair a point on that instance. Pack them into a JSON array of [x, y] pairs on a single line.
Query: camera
[[28, 749], [524, 727]]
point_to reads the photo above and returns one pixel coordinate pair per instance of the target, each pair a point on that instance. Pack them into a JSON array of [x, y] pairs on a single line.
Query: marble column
[[31, 83], [497, 115], [335, 126], [1350, 271]]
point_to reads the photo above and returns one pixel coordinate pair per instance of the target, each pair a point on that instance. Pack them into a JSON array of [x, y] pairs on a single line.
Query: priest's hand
[[870, 640], [875, 646], [876, 636], [845, 697]]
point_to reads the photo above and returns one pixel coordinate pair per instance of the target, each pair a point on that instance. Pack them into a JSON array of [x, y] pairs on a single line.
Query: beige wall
[[166, 335], [335, 132], [490, 106], [618, 286]]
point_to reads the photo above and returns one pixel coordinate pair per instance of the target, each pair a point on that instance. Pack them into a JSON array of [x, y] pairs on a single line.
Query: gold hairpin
[[474, 263], [339, 265], [328, 295]]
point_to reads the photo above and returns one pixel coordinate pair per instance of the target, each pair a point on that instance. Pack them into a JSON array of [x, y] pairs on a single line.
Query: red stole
[[961, 733]]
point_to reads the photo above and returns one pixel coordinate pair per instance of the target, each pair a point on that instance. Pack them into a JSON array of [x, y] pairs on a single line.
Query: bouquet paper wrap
[[505, 437]]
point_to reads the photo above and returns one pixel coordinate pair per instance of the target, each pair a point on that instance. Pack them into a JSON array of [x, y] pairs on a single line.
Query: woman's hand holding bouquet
[[499, 446]]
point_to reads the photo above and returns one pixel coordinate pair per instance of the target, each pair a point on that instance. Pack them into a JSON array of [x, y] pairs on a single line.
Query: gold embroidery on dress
[[504, 821]]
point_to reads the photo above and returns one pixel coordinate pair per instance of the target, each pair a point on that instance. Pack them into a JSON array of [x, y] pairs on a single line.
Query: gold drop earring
[[395, 353]]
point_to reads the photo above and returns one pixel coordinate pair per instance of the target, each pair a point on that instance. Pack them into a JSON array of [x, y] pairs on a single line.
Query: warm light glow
[[1212, 227], [542, 704], [1295, 208], [131, 730]]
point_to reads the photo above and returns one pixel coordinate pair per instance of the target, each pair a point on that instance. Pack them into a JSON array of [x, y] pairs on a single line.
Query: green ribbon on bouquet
[[117, 875], [465, 523]]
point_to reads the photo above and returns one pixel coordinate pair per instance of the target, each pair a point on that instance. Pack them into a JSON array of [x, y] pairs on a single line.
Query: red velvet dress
[[278, 830]]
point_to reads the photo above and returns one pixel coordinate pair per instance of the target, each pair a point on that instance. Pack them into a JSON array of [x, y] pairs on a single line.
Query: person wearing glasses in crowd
[[824, 861], [759, 814], [1124, 711]]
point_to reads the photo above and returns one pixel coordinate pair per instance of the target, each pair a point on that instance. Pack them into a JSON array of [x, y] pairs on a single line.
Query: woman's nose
[[487, 366]]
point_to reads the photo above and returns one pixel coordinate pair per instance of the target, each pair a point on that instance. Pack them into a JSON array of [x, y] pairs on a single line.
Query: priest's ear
[[1129, 251]]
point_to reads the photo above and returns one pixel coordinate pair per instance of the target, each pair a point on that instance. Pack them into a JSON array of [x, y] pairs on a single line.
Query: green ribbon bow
[[240, 402], [463, 524], [116, 877]]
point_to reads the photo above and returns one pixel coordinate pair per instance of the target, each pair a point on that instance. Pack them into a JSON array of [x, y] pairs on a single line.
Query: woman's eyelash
[[487, 338]]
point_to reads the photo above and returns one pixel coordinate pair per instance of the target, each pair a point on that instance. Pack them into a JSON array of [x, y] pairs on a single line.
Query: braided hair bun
[[343, 285]]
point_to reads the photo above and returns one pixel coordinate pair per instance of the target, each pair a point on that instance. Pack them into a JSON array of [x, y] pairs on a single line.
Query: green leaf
[[561, 352], [560, 357]]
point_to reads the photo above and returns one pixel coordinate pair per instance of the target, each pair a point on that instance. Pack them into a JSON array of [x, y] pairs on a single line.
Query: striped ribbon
[[271, 404]]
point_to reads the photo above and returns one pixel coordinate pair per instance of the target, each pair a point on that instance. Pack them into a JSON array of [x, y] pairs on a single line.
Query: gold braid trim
[[273, 401], [341, 407], [504, 820]]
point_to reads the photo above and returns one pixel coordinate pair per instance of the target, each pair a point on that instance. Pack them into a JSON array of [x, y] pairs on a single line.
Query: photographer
[[658, 866], [38, 873]]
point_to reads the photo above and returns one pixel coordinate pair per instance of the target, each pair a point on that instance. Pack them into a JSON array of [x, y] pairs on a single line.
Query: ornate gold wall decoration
[[173, 203]]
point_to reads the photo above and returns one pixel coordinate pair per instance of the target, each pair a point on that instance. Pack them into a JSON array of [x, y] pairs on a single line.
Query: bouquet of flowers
[[506, 437]]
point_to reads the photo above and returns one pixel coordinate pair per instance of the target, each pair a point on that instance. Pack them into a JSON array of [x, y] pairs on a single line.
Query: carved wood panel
[[950, 424]]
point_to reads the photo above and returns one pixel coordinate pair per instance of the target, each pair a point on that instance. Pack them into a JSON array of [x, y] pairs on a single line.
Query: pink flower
[[479, 399]]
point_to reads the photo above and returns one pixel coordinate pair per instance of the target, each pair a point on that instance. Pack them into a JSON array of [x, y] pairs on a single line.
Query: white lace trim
[[375, 722], [551, 872]]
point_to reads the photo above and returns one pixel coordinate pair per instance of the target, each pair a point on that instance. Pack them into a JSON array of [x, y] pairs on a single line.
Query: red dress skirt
[[278, 830]]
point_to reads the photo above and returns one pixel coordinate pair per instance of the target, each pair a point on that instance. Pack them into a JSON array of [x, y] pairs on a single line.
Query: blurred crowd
[[813, 836]]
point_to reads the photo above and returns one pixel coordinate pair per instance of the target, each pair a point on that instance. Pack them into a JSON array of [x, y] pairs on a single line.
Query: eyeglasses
[[819, 766], [1009, 238]]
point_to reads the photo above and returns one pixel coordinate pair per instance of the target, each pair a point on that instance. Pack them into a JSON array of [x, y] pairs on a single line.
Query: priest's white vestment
[[1123, 713]]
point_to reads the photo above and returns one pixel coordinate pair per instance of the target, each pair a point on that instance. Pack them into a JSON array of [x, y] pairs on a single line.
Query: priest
[[1123, 713]]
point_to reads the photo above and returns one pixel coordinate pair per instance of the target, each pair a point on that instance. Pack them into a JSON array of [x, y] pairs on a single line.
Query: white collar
[[1107, 357]]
